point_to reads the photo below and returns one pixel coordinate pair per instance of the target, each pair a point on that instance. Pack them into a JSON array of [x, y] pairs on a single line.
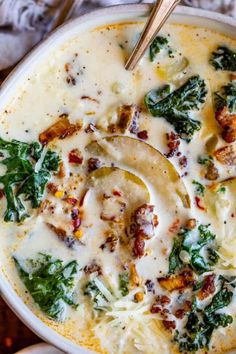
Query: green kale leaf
[[224, 59], [177, 106], [202, 322], [157, 45], [28, 169], [50, 283], [199, 188], [220, 300], [124, 283], [196, 253], [99, 298], [226, 97]]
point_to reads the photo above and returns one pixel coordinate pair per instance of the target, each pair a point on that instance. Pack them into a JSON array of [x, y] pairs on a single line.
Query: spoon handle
[[161, 11]]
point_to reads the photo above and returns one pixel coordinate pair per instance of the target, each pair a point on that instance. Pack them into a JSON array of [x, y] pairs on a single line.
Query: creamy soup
[[118, 217]]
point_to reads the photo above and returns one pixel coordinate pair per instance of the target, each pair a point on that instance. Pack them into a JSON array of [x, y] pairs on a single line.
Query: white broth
[[129, 187]]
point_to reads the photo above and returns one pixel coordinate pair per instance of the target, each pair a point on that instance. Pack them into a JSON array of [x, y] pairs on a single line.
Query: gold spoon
[[161, 11]]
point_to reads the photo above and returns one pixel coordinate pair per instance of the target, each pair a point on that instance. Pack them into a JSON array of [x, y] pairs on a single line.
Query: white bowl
[[113, 14], [40, 348]]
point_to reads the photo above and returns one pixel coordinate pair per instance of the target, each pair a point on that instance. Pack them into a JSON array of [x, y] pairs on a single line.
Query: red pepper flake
[[76, 224], [143, 135], [198, 203], [71, 201], [117, 193], [1, 193], [75, 157]]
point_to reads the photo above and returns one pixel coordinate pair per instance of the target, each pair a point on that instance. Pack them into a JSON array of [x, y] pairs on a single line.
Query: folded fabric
[[24, 22]]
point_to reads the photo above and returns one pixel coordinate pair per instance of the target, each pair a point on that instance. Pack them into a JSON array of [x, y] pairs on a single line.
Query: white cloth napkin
[[24, 22]]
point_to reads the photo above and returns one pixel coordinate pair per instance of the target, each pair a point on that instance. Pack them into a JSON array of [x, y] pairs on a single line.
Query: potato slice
[[121, 184], [146, 161], [220, 201]]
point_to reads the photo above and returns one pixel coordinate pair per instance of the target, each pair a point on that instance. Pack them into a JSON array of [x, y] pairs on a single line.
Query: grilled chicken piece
[[61, 129], [177, 282], [227, 122], [226, 155]]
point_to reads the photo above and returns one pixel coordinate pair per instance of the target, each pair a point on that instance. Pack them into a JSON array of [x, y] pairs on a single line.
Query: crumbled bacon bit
[[177, 282], [211, 172], [191, 224], [226, 155], [61, 129], [62, 235], [143, 222], [179, 314], [93, 268], [183, 162], [110, 243], [155, 308], [71, 201], [139, 246], [198, 203], [155, 220], [163, 300], [143, 135], [174, 227], [208, 287], [93, 164], [90, 128], [58, 230], [173, 142], [171, 325], [52, 187], [75, 157], [187, 306], [227, 122]]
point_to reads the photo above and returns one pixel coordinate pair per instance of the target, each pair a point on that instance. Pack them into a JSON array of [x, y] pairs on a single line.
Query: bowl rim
[[6, 290]]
